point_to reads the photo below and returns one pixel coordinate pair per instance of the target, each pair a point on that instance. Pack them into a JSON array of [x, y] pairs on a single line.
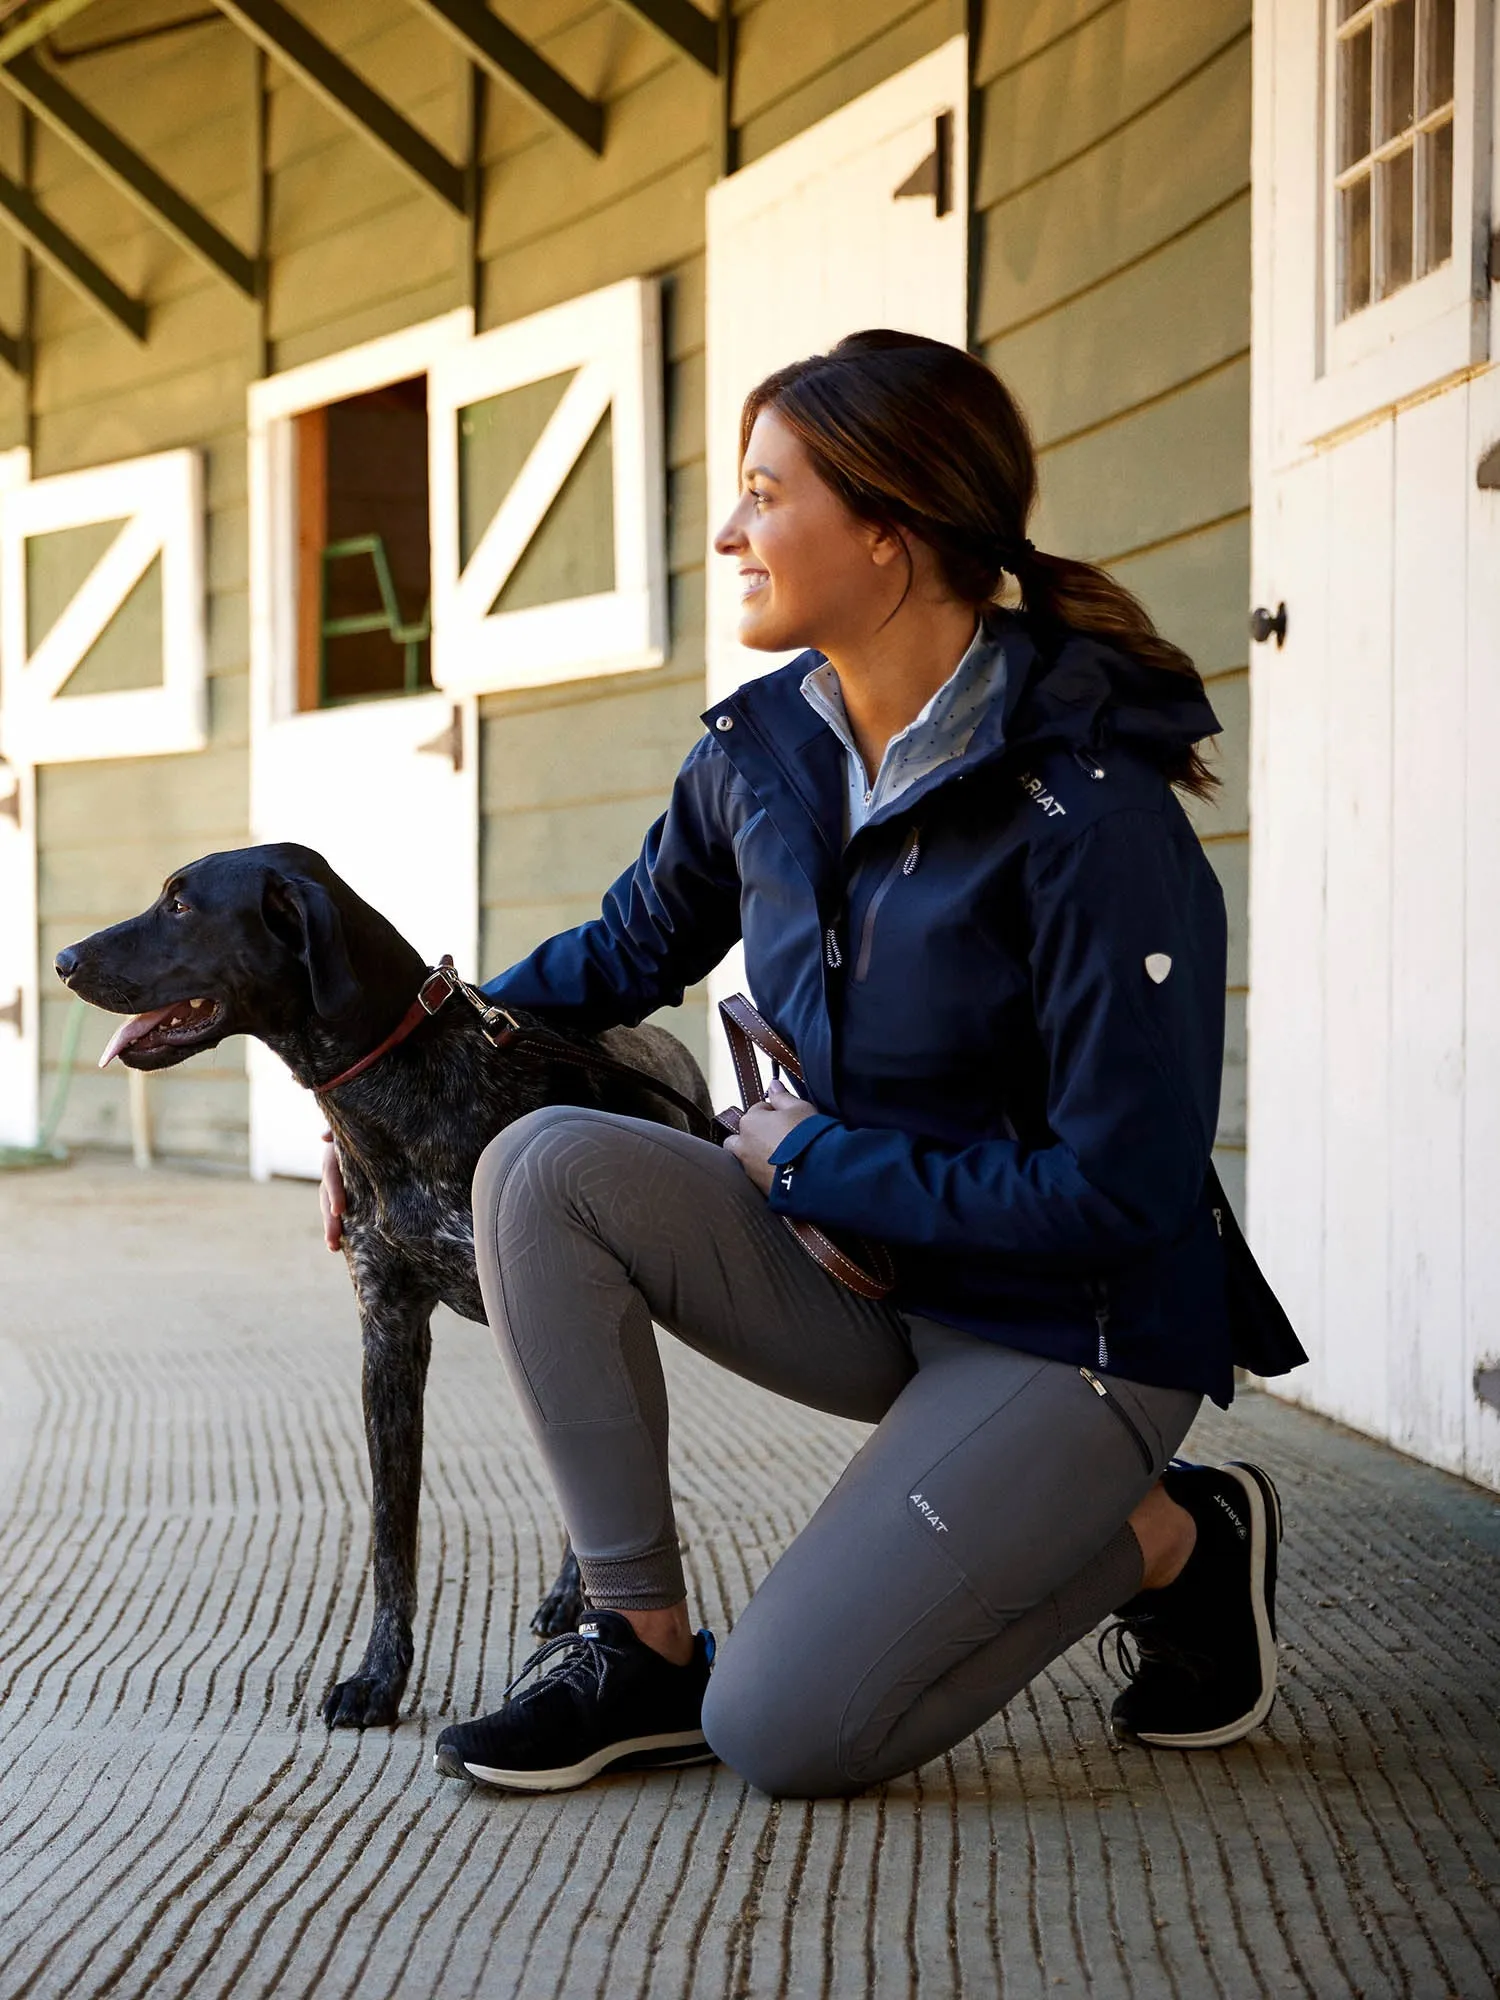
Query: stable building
[[368, 391]]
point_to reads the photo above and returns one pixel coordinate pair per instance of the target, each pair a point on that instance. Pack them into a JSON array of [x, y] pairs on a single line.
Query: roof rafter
[[486, 40], [691, 32], [51, 244], [38, 87], [348, 96]]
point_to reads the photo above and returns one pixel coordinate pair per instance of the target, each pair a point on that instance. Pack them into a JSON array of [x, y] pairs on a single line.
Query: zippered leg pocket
[[1113, 1402]]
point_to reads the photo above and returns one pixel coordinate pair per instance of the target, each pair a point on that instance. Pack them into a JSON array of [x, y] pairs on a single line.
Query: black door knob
[[1265, 625]]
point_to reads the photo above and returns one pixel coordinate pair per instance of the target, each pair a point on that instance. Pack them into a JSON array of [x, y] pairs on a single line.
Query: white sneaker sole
[[688, 1742], [1265, 1534]]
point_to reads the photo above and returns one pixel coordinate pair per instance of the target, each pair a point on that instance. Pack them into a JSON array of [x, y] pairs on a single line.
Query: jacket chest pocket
[[927, 978]]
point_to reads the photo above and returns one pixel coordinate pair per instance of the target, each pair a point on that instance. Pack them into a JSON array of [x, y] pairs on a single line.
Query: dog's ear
[[303, 913]]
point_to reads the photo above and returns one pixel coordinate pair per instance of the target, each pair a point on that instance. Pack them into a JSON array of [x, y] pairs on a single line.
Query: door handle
[[448, 742], [1265, 625], [10, 1013]]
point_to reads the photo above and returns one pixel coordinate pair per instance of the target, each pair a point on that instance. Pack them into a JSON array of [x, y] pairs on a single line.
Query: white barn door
[[860, 221], [20, 1047], [384, 788], [1374, 1084]]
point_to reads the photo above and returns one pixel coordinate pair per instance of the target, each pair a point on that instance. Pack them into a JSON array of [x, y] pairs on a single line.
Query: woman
[[971, 900]]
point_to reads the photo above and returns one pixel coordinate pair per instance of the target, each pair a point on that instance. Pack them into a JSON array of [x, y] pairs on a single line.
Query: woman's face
[[811, 574]]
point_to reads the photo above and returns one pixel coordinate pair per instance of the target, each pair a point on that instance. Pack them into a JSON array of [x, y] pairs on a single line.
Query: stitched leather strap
[[865, 1267]]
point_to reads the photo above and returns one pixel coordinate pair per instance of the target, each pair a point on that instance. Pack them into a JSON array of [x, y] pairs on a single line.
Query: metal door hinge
[[934, 175], [448, 742]]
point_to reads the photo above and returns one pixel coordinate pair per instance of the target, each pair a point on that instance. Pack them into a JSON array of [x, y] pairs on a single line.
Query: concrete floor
[[182, 1571]]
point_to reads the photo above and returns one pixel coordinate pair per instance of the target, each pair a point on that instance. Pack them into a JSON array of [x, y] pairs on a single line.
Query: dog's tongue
[[131, 1031]]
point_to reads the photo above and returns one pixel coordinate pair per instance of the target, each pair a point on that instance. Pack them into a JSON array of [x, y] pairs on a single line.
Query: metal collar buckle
[[445, 980]]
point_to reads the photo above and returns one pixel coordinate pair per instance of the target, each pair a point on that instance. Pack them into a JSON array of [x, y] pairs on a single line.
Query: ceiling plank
[[51, 244], [348, 96], [502, 53], [45, 93], [679, 22]]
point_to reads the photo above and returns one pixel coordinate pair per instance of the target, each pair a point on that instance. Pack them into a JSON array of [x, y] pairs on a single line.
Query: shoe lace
[[580, 1662], [1141, 1642]]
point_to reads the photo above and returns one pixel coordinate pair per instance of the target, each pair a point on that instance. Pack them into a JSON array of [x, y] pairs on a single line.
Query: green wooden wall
[[1113, 295]]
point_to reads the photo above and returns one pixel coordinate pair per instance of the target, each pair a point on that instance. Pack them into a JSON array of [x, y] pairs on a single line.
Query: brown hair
[[922, 439]]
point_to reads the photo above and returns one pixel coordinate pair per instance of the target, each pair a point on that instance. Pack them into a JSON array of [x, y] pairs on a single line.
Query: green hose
[[47, 1152]]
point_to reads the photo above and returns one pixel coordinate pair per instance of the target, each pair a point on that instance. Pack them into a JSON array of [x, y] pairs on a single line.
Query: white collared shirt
[[942, 729]]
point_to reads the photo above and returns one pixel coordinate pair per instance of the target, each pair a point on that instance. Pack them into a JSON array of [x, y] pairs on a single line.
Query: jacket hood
[[1090, 693]]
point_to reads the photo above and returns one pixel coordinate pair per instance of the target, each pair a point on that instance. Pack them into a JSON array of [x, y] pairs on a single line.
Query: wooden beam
[[348, 96], [13, 354], [679, 22], [38, 24], [486, 40], [68, 260], [45, 93]]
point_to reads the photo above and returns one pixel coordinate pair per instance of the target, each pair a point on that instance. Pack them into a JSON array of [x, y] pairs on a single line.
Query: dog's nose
[[66, 963]]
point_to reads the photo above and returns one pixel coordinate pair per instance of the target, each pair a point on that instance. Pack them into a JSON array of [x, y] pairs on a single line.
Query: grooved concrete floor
[[182, 1491]]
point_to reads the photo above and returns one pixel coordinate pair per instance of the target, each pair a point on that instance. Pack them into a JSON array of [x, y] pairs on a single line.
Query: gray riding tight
[[980, 1529]]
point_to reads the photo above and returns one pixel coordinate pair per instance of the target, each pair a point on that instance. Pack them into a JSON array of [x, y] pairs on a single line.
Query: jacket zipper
[[831, 950], [1099, 1293], [905, 864], [1114, 1403]]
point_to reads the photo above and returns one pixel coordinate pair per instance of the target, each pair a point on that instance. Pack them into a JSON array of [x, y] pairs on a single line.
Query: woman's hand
[[331, 1195], [762, 1129]]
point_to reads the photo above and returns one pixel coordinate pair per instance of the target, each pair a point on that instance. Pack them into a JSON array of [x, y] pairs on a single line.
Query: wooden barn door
[[354, 751], [1374, 1084], [860, 221]]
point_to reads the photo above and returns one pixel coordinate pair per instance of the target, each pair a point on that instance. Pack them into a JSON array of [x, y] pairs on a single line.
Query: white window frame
[[1335, 373], [612, 338], [160, 501], [273, 403]]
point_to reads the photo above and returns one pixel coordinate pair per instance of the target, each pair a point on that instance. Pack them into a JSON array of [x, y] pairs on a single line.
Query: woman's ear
[[887, 546]]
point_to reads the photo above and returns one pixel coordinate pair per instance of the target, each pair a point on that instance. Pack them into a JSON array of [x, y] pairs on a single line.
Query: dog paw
[[559, 1611], [362, 1702]]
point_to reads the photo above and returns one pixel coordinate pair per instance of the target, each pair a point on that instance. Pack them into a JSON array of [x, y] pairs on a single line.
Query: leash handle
[[864, 1267]]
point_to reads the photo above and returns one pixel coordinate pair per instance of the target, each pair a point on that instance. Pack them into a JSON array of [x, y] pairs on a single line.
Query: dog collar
[[436, 990]]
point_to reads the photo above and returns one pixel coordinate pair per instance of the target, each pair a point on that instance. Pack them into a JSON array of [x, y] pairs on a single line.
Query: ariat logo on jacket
[[1037, 792]]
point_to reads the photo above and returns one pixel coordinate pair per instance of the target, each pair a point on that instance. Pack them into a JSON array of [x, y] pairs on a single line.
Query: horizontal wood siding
[[1113, 224], [109, 832]]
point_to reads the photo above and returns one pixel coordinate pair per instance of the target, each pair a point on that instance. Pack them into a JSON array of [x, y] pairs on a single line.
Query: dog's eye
[[176, 907]]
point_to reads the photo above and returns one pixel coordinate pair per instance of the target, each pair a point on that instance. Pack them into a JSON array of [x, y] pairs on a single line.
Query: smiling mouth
[[177, 1029], [752, 580]]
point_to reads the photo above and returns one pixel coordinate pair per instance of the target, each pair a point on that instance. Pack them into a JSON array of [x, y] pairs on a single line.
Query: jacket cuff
[[782, 1197]]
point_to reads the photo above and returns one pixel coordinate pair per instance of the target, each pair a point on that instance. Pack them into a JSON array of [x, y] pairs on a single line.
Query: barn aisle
[[182, 1571]]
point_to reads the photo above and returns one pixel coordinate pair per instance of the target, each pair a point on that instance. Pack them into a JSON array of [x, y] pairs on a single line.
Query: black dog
[[268, 941]]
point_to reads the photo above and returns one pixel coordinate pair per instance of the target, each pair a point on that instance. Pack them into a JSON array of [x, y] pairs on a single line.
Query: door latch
[[1267, 624]]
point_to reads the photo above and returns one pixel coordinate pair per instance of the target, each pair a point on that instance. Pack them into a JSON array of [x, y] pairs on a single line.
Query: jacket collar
[[1081, 695]]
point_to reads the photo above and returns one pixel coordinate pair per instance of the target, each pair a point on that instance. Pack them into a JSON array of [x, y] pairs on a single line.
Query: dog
[[268, 941]]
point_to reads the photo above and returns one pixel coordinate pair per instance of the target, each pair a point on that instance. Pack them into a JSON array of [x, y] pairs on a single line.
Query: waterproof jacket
[[1006, 992]]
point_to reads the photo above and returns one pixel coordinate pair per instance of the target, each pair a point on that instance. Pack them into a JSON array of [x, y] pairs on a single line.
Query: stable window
[[364, 616], [1393, 164]]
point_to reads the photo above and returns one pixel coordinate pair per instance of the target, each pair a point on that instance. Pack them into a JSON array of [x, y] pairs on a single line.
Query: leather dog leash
[[865, 1267], [871, 1273]]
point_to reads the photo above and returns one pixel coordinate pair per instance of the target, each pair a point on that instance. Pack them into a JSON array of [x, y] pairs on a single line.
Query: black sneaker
[[1200, 1654], [607, 1702]]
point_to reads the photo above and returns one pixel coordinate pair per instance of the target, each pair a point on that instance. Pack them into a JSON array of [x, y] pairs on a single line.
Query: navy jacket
[[1006, 992]]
